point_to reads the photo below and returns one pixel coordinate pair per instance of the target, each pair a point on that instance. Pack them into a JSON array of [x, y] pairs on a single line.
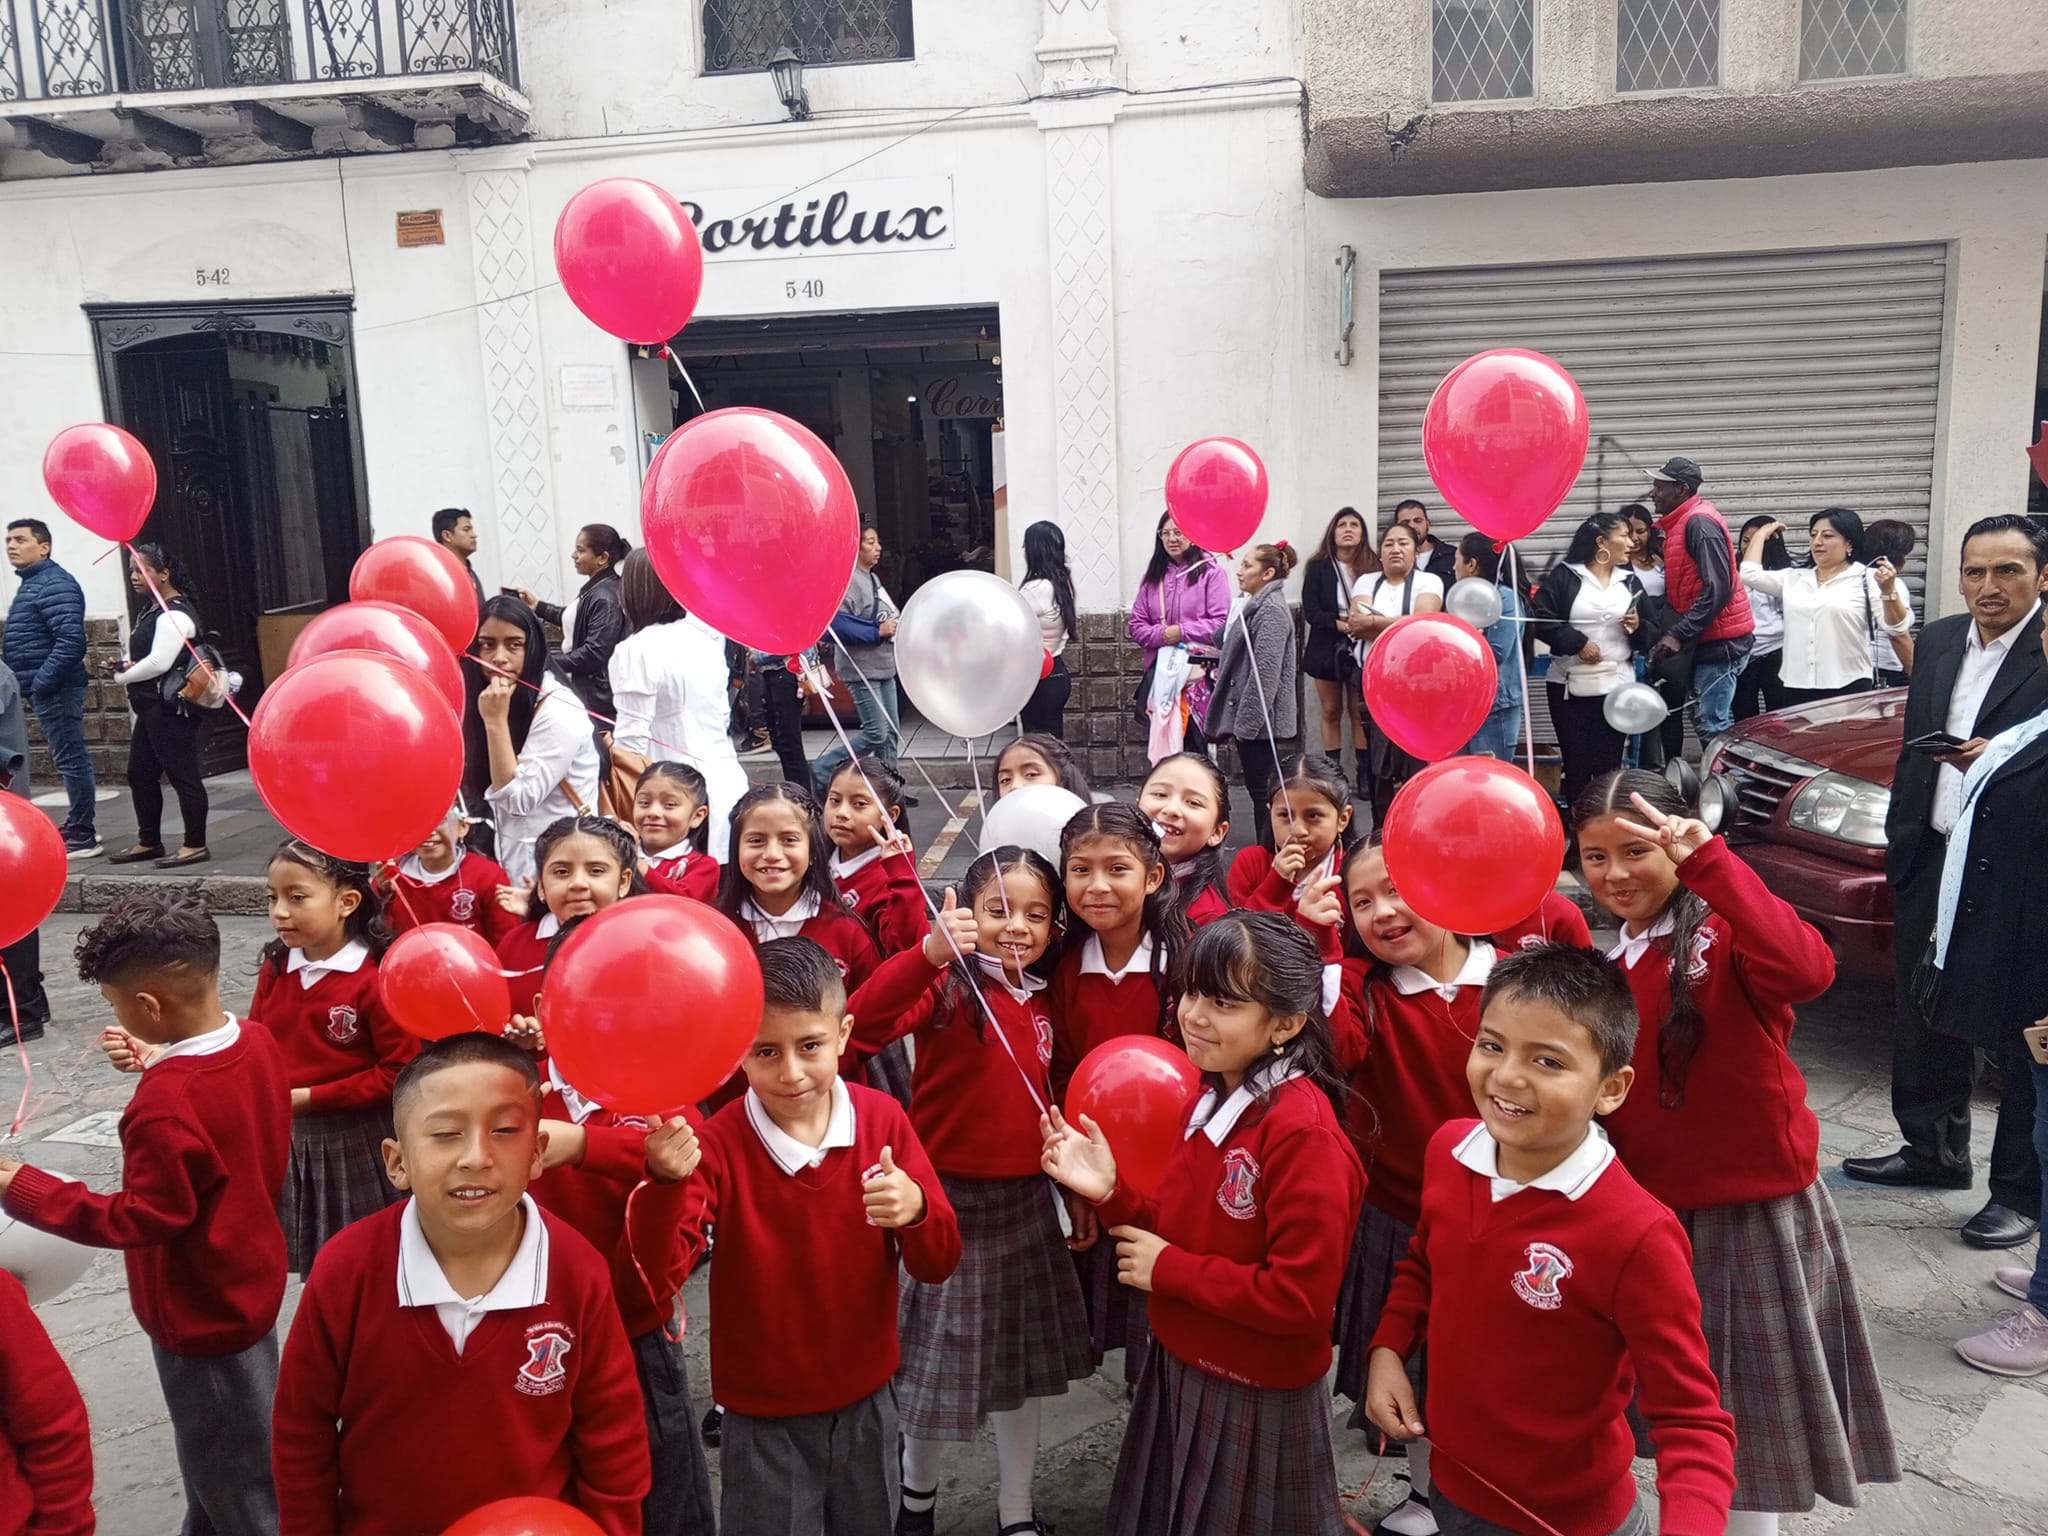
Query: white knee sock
[[1016, 1460], [1413, 1519], [921, 1472], [1749, 1522], [1418, 1467]]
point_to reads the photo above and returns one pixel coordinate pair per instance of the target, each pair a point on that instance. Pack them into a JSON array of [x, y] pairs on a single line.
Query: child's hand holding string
[[1291, 860], [892, 1197], [1389, 1399], [673, 1150], [892, 841], [1078, 1158], [952, 934], [1680, 837], [524, 1031], [1087, 1226], [1323, 902], [1136, 1252], [127, 1053]]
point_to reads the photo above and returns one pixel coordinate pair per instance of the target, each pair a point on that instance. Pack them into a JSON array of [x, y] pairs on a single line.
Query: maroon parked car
[[1811, 788]]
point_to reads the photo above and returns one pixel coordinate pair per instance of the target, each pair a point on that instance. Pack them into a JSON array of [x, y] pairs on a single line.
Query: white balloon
[[1634, 708], [46, 1266], [968, 652], [1475, 600], [1032, 817]]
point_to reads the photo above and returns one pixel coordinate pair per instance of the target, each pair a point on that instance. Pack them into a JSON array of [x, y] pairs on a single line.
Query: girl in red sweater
[[582, 864], [1008, 1328], [1241, 1247], [672, 814], [872, 864], [45, 1441], [443, 882], [778, 880], [316, 991], [1311, 817], [1718, 1129], [1036, 758], [1189, 802]]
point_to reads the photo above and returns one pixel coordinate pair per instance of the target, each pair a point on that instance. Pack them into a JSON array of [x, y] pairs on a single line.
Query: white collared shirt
[[1093, 963], [580, 1109], [786, 926], [1634, 946], [1571, 1178], [548, 927], [421, 1282], [1216, 1118], [791, 1155], [1828, 624], [993, 967], [1980, 665], [413, 870], [843, 866], [346, 960], [1409, 980], [212, 1043]]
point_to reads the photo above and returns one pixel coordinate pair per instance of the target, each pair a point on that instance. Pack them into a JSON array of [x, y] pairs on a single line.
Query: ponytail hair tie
[[1282, 544]]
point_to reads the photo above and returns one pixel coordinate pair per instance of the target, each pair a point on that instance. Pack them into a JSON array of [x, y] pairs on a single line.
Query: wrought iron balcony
[[742, 35]]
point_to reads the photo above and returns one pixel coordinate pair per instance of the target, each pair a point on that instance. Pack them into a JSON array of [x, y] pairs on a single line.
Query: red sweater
[[853, 948], [204, 1144], [1558, 921], [336, 1037], [381, 1428], [523, 951], [45, 1442], [798, 1245], [968, 1101], [1257, 887], [469, 897], [1089, 1010], [634, 1221], [694, 875], [1406, 1056], [1743, 1132], [1554, 1312], [1207, 906], [1258, 1232], [885, 895]]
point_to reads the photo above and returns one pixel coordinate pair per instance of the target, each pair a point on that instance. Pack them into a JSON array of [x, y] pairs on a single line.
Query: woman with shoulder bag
[[1401, 588], [1183, 599], [165, 741], [1332, 573], [1587, 610]]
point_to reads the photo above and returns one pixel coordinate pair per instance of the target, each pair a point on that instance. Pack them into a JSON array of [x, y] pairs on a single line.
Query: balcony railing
[[84, 48], [741, 35]]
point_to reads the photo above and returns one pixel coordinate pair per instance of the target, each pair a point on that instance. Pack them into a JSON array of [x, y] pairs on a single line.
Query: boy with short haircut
[[462, 1347], [204, 1143], [1561, 1286], [817, 1187]]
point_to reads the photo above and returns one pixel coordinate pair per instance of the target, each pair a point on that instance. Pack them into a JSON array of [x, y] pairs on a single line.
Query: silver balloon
[[1475, 600], [1032, 817], [1634, 708], [46, 1266], [968, 651]]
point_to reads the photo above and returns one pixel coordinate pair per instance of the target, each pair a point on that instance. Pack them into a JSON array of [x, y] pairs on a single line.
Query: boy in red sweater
[[818, 1187], [462, 1347], [1561, 1286], [204, 1143], [45, 1442]]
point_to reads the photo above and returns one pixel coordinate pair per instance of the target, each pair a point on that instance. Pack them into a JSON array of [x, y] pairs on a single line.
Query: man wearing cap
[[1709, 606]]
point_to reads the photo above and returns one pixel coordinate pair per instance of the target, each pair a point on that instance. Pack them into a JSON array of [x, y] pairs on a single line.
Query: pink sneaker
[[2015, 1345], [2013, 1279]]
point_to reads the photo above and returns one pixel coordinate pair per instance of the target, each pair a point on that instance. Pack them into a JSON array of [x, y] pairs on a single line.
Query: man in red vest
[[1710, 607]]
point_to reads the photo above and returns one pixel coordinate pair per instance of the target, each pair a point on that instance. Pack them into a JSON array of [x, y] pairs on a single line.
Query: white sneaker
[[2013, 1279]]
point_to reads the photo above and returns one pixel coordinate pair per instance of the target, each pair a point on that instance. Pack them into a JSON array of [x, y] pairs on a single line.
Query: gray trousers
[[1453, 1521], [220, 1420], [678, 1502], [812, 1474]]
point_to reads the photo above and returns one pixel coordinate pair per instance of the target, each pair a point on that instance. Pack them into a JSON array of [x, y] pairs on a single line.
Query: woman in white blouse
[[1588, 611], [1832, 607], [165, 742], [669, 686], [1049, 588]]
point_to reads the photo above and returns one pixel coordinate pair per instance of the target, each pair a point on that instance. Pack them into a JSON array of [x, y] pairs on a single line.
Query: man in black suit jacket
[[1974, 675]]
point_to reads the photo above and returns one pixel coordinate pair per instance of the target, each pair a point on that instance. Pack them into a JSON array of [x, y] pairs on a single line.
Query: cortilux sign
[[829, 219]]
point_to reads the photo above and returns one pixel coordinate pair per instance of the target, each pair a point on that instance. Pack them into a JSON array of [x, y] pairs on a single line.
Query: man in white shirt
[[1974, 675]]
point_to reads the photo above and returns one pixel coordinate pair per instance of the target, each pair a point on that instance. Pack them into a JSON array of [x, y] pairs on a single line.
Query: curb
[[224, 895]]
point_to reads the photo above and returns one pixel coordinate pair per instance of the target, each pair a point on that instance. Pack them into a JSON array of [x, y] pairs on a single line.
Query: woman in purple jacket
[[1183, 600]]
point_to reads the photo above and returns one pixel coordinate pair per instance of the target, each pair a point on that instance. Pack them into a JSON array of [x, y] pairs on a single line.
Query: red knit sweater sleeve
[[163, 1166], [931, 1247], [862, 958], [394, 1045], [1254, 885], [305, 1428], [1780, 956], [1347, 1019], [899, 999], [1404, 1316], [608, 1456], [42, 1418], [902, 921]]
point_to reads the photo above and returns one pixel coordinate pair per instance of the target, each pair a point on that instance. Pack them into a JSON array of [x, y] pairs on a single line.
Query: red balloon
[[650, 1004], [1505, 438], [102, 477], [1216, 491], [751, 523], [1429, 682], [357, 754], [442, 979], [525, 1517], [1140, 1090], [32, 855], [1473, 844], [629, 257], [388, 630], [421, 577], [1045, 667]]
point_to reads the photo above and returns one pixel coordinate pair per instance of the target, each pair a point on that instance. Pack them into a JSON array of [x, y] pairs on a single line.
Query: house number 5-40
[[814, 288]]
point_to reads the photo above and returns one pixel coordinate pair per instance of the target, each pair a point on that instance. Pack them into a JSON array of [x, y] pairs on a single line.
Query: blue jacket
[[45, 644]]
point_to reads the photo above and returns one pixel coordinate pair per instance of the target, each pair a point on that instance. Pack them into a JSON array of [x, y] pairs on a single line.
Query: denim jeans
[[876, 701], [2037, 1292], [61, 713], [1713, 695], [1499, 736]]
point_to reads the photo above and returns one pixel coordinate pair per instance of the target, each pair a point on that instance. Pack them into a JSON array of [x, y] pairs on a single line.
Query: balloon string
[[633, 1252], [28, 1071], [1522, 664], [142, 565], [685, 373], [1436, 1451], [1272, 741]]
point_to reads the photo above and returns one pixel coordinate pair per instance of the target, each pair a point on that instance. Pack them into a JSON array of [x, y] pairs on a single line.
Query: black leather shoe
[[1907, 1171], [919, 1522], [31, 1029], [1999, 1226], [713, 1427]]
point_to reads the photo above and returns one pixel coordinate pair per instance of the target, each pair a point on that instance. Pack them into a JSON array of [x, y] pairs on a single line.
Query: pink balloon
[[1216, 491], [1473, 844], [421, 577], [1429, 682], [629, 257], [388, 630], [102, 477], [1505, 438], [751, 523]]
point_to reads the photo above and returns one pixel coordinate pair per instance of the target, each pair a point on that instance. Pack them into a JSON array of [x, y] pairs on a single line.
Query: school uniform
[[402, 1406], [882, 890], [340, 1045], [1230, 1428], [977, 1090], [204, 1144], [1558, 920], [683, 871], [1212, 900], [465, 893], [1734, 1153], [45, 1441], [810, 1433], [523, 955], [852, 948], [1544, 1306], [1257, 887]]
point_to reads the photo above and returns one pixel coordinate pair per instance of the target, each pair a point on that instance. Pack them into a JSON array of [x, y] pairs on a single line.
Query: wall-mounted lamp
[[788, 70]]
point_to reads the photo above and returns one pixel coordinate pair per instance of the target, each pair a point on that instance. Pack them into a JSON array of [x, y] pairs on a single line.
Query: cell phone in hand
[[1935, 743]]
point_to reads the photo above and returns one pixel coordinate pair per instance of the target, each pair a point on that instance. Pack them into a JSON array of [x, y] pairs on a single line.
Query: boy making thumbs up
[[817, 1187]]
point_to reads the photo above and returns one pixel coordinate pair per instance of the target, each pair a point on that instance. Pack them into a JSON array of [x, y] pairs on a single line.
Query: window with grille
[[1483, 50], [742, 35], [1667, 45], [1846, 39]]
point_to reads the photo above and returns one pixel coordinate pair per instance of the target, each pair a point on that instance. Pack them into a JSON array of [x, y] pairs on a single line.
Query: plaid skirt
[[336, 1176], [1007, 1326], [1116, 1312], [1378, 1244], [1785, 1335], [889, 1071], [1203, 1455]]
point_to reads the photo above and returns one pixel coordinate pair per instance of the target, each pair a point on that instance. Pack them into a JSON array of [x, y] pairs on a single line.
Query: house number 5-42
[[209, 277]]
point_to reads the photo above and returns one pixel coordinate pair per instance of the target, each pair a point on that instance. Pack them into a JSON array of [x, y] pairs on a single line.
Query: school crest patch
[[1549, 1267], [1696, 969], [341, 1024], [462, 905], [547, 1351], [1238, 1190]]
